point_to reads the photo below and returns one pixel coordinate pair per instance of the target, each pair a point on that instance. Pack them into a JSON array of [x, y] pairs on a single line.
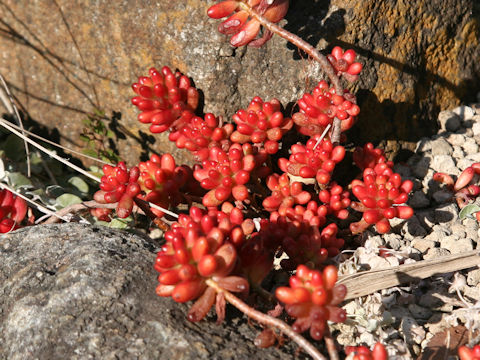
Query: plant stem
[[298, 42], [332, 350], [267, 320], [142, 204], [311, 51]]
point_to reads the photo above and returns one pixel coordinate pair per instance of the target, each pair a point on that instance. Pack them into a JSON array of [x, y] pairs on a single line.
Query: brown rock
[[63, 59]]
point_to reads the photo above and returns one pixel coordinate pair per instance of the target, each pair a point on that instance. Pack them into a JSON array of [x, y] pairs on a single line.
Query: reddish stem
[[267, 320], [310, 50], [143, 205], [332, 349]]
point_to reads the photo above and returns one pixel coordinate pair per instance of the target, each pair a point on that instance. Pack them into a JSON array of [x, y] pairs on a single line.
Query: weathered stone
[[464, 112], [80, 292], [422, 244], [62, 59], [449, 120], [456, 139], [444, 163], [473, 277], [441, 147]]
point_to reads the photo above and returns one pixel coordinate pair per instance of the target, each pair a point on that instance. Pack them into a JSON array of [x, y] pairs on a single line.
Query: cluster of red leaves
[[312, 162], [158, 180], [198, 247], [261, 122], [313, 298], [380, 196], [318, 109], [244, 30], [232, 171], [13, 210], [466, 188], [466, 353], [363, 353]]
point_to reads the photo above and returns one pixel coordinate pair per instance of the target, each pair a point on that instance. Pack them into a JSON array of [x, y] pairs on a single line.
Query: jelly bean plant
[[252, 196]]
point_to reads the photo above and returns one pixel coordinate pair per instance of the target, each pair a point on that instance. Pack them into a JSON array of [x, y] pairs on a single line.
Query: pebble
[[470, 147], [435, 253], [456, 139], [441, 147], [473, 278], [449, 120], [422, 244], [420, 312], [464, 112], [444, 163], [456, 245], [476, 127]]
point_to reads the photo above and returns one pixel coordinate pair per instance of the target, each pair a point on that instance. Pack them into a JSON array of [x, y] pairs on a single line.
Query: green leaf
[[79, 184], [84, 138], [67, 199], [468, 211], [90, 152], [115, 223], [17, 180]]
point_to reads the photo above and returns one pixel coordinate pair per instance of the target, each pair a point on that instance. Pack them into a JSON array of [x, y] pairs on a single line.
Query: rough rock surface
[[63, 58], [80, 292]]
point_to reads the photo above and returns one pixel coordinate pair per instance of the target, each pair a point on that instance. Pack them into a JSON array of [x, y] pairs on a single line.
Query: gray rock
[[463, 163], [435, 253], [412, 228], [446, 214], [464, 112], [470, 147], [456, 245], [441, 147], [456, 139], [444, 163], [420, 312], [422, 245], [80, 292], [458, 153], [476, 128], [449, 120], [459, 246], [473, 278]]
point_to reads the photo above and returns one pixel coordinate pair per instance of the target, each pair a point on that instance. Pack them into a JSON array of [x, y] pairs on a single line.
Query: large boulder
[[62, 59], [76, 291]]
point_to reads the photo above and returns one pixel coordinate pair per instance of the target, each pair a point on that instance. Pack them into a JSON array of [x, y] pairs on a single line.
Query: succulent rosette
[[312, 297]]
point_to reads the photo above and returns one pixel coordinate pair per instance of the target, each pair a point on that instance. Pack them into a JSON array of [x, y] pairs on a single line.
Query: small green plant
[[96, 136]]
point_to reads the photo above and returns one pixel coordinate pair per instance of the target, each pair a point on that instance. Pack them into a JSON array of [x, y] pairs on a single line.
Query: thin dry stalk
[[10, 105], [78, 153], [39, 207]]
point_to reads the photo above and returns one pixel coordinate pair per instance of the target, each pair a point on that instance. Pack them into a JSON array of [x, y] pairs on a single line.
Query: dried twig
[[364, 283], [10, 105]]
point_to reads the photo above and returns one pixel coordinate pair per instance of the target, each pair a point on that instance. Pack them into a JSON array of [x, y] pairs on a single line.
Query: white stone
[[464, 112], [476, 128], [456, 139], [444, 163], [449, 120], [441, 147]]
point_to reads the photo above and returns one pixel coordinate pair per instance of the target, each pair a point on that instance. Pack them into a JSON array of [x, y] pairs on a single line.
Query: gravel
[[419, 311]]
